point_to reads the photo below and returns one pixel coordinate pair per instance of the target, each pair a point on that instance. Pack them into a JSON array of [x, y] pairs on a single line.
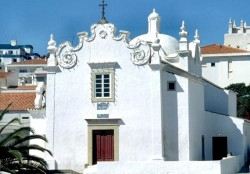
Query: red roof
[[20, 101], [220, 49], [3, 74], [24, 87], [32, 62]]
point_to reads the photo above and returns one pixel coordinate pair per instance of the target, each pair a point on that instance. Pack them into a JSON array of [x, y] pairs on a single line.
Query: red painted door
[[103, 145]]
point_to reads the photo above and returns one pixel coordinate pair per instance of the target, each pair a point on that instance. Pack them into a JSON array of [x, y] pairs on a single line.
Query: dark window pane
[[98, 90], [106, 94], [98, 81], [106, 81], [106, 76], [106, 85], [106, 90], [98, 94], [98, 85], [98, 76]]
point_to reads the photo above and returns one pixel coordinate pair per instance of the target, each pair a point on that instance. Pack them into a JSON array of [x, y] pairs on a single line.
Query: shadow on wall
[[218, 125], [170, 120], [215, 99]]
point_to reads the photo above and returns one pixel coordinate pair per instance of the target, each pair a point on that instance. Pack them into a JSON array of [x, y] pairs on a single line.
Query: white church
[[115, 105]]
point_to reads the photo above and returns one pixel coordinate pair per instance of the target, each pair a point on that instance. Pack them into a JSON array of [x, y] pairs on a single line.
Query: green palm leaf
[[5, 111], [9, 123], [15, 147], [16, 135]]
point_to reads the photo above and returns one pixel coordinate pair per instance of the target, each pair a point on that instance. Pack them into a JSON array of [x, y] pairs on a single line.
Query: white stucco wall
[[214, 97], [211, 73], [237, 40], [38, 124], [196, 118], [226, 166], [222, 75], [219, 125], [12, 79], [232, 103], [23, 116], [69, 104]]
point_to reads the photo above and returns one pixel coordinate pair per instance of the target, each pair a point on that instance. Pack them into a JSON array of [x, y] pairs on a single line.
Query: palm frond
[[7, 169], [28, 138], [17, 134], [6, 110], [17, 155], [34, 147], [9, 123], [35, 166], [36, 159]]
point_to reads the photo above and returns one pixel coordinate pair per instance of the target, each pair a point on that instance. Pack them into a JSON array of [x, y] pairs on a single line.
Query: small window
[[14, 60], [171, 86], [23, 71], [10, 52], [102, 85], [212, 64]]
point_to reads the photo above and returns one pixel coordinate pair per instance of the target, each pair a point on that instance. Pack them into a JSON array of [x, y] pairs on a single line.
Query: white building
[[224, 65], [8, 79], [13, 52], [30, 72], [238, 36], [141, 106]]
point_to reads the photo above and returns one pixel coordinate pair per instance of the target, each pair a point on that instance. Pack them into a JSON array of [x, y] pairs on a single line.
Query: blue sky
[[32, 21]]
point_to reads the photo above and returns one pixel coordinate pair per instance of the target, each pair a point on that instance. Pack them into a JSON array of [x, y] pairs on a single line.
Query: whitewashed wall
[[226, 166], [23, 116], [220, 125], [69, 104], [221, 75], [214, 97], [196, 118]]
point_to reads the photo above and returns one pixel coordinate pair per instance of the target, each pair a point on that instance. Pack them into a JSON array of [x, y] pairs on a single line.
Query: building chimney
[[13, 42]]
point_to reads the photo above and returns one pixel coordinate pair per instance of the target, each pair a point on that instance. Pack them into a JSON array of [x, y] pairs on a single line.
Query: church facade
[[140, 106]]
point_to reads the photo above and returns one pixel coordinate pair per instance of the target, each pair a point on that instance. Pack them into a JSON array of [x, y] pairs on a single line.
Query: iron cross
[[103, 5]]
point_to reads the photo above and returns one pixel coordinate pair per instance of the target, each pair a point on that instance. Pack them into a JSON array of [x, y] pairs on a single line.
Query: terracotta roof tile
[[31, 87], [3, 74], [20, 101], [31, 62], [220, 49]]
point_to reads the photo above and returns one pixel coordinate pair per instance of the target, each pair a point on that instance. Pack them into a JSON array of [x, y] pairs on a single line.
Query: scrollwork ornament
[[103, 34], [67, 60], [139, 57]]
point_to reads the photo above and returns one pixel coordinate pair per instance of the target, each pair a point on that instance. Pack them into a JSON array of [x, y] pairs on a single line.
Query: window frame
[[102, 72]]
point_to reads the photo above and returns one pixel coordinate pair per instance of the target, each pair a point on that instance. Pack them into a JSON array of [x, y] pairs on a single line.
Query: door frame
[[115, 128]]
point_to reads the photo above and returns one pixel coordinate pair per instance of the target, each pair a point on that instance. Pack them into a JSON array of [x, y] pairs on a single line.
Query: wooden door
[[103, 145], [219, 147]]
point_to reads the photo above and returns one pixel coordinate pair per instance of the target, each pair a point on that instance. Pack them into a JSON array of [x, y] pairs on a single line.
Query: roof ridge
[[221, 49]]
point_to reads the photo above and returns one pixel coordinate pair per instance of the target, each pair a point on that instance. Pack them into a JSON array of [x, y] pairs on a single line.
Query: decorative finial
[[234, 25], [183, 34], [245, 24], [103, 19], [196, 37], [230, 20], [51, 44], [52, 51]]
